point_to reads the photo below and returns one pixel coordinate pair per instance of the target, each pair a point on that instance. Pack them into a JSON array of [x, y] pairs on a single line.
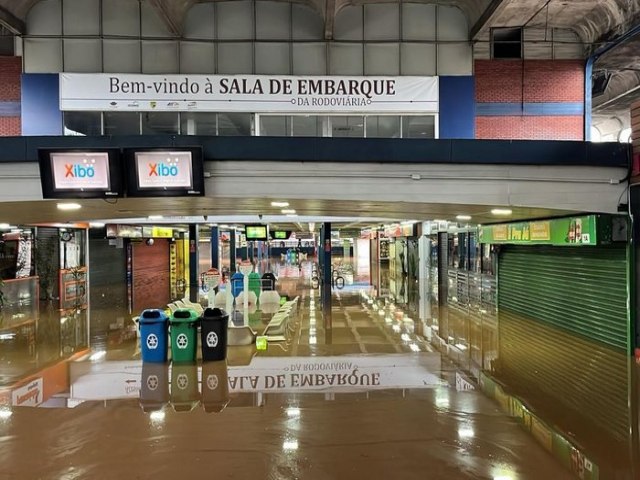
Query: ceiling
[[342, 214], [596, 22]]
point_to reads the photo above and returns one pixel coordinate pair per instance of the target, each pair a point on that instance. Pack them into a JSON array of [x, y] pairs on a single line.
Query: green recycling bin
[[184, 335]]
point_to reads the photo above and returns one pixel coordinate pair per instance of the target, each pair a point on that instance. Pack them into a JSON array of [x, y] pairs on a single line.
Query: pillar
[[194, 286], [215, 247]]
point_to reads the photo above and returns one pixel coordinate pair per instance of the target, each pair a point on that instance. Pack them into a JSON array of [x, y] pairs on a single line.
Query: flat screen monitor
[[164, 172], [280, 234], [75, 173], [255, 232]]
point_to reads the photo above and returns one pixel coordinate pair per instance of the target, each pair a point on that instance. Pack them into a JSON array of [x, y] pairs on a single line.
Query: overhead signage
[[573, 231], [254, 93], [256, 232]]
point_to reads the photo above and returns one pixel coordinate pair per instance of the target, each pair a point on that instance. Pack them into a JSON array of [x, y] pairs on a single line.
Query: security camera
[[149, 241], [260, 216], [206, 218]]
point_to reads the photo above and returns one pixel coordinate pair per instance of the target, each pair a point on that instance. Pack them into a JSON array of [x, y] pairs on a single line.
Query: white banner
[[247, 93]]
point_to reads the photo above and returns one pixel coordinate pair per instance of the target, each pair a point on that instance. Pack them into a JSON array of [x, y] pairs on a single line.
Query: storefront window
[[384, 126], [275, 125], [82, 123], [121, 123], [419, 127], [347, 126], [200, 123], [307, 126], [234, 124], [159, 123]]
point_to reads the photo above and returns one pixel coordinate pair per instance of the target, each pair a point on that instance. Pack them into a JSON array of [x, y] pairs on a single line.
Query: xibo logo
[[163, 169], [79, 171]]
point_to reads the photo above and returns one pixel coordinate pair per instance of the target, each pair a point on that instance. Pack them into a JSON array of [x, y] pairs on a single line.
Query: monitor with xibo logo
[[164, 172]]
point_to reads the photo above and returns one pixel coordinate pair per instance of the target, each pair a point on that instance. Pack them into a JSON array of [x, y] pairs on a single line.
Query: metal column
[[215, 248], [194, 287]]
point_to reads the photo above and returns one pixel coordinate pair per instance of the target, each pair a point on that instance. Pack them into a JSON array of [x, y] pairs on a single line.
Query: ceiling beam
[[11, 22], [493, 10], [173, 24], [329, 18]]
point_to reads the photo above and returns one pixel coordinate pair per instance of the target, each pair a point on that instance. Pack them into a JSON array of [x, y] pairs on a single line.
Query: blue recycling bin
[[237, 284], [153, 335]]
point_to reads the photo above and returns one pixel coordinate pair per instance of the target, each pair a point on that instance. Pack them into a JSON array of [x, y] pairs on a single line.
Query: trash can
[[184, 329], [153, 336], [254, 283], [184, 387], [215, 386], [154, 386], [237, 284], [268, 281], [213, 334]]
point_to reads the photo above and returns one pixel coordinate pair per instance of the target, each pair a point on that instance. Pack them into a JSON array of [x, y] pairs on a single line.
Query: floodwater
[[354, 391]]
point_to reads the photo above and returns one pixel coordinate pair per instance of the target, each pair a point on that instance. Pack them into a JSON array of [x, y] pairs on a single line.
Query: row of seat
[[280, 323]]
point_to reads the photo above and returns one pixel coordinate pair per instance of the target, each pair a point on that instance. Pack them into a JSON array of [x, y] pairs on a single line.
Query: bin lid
[[184, 315], [152, 316], [237, 276], [254, 275], [214, 313]]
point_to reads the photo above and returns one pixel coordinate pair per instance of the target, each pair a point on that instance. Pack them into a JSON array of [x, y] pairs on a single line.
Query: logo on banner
[[79, 171], [182, 341], [212, 340], [152, 341], [163, 170]]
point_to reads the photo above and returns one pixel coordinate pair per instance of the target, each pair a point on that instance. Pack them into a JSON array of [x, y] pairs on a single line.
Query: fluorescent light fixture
[[155, 217], [292, 215], [280, 204], [414, 347], [67, 206], [213, 224], [460, 346], [288, 211], [7, 336], [4, 226], [5, 414], [466, 432], [290, 445], [224, 226], [157, 416], [409, 222], [98, 355], [293, 412], [463, 218], [96, 224], [501, 211]]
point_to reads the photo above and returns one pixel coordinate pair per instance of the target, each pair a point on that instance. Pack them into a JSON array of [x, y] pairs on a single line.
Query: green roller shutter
[[563, 326]]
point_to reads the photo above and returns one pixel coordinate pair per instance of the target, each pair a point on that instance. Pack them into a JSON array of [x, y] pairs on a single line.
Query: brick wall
[[10, 71], [508, 91]]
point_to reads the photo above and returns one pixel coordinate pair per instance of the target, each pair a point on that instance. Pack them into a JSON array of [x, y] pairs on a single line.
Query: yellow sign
[[162, 232], [500, 232], [540, 230]]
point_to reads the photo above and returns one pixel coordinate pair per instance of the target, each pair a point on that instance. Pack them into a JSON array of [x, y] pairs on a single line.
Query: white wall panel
[[121, 56], [200, 22], [567, 45], [418, 59], [82, 55], [159, 57], [235, 58], [382, 21], [455, 59], [235, 20], [45, 18], [418, 21], [452, 24], [81, 17], [345, 59], [197, 57], [307, 24], [382, 59], [273, 20], [348, 24], [272, 58], [121, 17], [309, 59], [42, 55]]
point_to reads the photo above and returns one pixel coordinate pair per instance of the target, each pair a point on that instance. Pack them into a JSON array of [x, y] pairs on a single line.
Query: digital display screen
[[280, 235], [162, 170], [255, 232], [80, 173]]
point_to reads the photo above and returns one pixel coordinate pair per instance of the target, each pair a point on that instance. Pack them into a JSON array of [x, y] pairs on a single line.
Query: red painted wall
[[10, 71], [531, 81]]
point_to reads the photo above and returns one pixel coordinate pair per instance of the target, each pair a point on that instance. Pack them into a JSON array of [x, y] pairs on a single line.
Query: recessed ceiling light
[[463, 218], [155, 217], [69, 206], [501, 211], [280, 204], [288, 211]]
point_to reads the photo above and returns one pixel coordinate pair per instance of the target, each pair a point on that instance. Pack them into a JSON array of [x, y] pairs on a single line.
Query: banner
[[247, 93], [574, 231]]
